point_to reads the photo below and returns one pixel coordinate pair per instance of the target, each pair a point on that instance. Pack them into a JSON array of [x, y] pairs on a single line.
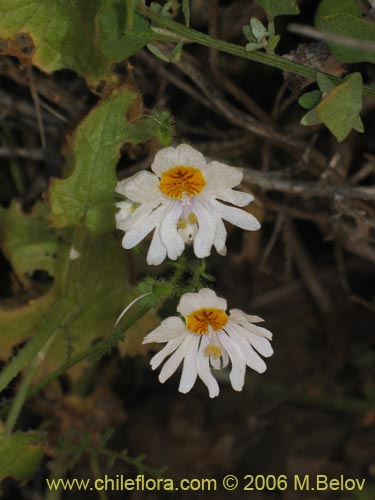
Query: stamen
[[181, 180], [213, 350]]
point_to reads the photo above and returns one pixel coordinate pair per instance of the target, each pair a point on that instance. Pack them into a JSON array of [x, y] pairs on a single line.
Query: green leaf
[[350, 26], [29, 243], [311, 118], [333, 7], [253, 46], [310, 99], [115, 38], [87, 195], [20, 454], [276, 8], [272, 44], [326, 84], [248, 33], [62, 33], [339, 109], [257, 28]]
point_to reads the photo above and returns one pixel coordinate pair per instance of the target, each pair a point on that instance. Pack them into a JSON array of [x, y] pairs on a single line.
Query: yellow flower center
[[181, 180], [200, 321]]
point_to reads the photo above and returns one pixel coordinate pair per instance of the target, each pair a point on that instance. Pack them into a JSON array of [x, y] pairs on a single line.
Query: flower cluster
[[179, 202], [185, 200], [209, 338]]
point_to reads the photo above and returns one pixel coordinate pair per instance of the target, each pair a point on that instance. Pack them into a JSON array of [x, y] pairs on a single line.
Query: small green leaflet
[[339, 108]]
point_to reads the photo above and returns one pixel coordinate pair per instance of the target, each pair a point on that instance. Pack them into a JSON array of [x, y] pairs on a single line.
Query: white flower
[[208, 339], [179, 202]]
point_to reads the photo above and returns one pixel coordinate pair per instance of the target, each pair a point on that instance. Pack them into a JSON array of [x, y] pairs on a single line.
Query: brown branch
[[307, 270], [270, 182]]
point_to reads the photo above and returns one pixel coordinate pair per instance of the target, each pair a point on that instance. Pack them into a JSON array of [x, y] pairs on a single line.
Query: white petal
[[171, 365], [139, 215], [238, 315], [237, 373], [139, 231], [206, 297], [189, 370], [157, 251], [140, 187], [125, 210], [169, 329], [204, 371], [236, 216], [221, 177], [235, 197], [168, 231], [252, 358], [245, 320], [257, 339], [183, 155], [220, 231], [205, 236], [170, 347]]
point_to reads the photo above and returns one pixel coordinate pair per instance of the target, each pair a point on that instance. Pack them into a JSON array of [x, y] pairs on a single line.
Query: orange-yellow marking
[[181, 180], [200, 321]]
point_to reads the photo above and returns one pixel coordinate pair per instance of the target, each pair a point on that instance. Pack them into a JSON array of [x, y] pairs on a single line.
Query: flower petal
[[221, 177], [171, 365], [238, 315], [236, 216], [204, 372], [238, 198], [183, 155], [140, 187], [252, 358], [168, 231], [169, 329], [189, 370], [205, 236], [157, 251], [126, 208], [206, 297], [170, 347], [141, 229], [237, 373]]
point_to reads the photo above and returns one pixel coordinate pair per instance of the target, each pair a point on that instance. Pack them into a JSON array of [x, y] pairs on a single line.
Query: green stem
[[58, 315], [97, 350], [272, 60], [23, 390]]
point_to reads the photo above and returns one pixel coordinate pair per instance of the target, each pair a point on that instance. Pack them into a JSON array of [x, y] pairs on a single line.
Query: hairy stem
[[272, 60]]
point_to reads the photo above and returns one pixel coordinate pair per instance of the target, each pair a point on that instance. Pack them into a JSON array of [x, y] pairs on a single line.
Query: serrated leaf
[[339, 109], [20, 454], [86, 197], [326, 84], [117, 37], [28, 242], [350, 26], [310, 99], [276, 8], [333, 7], [61, 32]]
